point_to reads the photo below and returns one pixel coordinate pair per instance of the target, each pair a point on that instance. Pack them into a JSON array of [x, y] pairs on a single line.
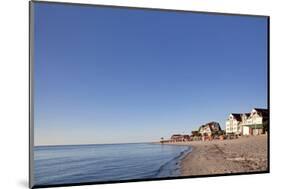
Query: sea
[[68, 164]]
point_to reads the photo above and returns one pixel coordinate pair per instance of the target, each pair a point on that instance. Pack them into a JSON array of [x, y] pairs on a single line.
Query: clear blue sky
[[110, 75]]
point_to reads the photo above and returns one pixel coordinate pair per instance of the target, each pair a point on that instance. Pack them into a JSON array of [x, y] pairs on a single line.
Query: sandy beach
[[246, 154]]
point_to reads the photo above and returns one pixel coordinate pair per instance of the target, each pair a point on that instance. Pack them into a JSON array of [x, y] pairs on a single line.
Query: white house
[[256, 121], [209, 128], [233, 124], [247, 123]]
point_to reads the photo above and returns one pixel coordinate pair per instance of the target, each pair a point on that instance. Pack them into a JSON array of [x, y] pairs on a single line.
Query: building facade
[[179, 138], [256, 122], [209, 129], [253, 123], [233, 124]]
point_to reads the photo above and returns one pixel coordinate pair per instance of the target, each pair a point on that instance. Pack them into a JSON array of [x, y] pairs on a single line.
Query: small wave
[[171, 167]]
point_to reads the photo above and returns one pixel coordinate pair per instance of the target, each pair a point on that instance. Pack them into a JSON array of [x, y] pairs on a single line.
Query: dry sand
[[246, 154]]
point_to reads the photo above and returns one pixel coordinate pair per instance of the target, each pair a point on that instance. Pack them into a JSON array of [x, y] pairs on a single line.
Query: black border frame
[[31, 63]]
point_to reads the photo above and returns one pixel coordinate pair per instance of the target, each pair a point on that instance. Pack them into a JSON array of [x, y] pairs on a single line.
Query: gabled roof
[[211, 125], [176, 135], [247, 114], [263, 112], [237, 116]]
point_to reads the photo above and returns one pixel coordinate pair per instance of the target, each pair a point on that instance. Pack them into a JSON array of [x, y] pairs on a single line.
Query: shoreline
[[172, 168], [243, 155]]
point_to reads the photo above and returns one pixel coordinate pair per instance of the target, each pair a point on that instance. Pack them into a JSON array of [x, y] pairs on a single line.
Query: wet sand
[[246, 154]]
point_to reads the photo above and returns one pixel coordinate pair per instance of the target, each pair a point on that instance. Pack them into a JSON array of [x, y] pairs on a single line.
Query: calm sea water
[[105, 162]]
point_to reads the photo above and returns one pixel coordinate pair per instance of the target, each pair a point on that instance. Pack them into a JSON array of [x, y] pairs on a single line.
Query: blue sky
[[112, 75]]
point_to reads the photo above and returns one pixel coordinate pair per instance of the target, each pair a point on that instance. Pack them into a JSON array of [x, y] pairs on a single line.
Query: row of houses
[[206, 130], [179, 138], [250, 123]]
